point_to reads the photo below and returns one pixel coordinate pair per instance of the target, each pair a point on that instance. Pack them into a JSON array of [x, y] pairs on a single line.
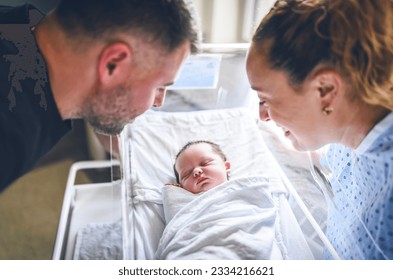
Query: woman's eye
[[261, 103]]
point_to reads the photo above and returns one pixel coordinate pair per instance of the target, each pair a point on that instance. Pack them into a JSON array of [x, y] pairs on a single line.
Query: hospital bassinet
[[126, 219]]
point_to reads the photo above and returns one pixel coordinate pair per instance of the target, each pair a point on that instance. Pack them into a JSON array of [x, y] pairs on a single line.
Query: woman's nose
[[159, 99], [264, 114]]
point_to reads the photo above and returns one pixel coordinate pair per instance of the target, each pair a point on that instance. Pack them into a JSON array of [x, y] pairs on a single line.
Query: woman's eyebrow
[[169, 84]]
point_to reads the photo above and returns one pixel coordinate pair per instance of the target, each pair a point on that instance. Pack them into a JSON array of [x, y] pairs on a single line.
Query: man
[[106, 61]]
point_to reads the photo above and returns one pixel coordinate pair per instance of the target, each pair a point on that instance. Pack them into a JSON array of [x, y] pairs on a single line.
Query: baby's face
[[200, 168]]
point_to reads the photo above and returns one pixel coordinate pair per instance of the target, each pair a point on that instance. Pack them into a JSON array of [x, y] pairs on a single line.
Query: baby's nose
[[197, 172]]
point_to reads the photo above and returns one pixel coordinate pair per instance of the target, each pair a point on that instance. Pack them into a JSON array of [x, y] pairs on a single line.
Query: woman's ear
[[328, 83], [114, 63]]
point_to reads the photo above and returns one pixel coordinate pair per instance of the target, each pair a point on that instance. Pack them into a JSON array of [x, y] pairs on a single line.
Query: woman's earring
[[327, 110]]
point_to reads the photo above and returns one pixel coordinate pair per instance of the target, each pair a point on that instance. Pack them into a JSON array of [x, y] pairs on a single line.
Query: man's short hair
[[166, 23]]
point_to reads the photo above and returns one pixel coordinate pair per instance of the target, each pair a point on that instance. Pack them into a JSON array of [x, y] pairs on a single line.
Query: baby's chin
[[211, 185]]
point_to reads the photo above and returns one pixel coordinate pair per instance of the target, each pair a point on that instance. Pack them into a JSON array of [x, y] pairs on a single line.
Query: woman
[[323, 71]]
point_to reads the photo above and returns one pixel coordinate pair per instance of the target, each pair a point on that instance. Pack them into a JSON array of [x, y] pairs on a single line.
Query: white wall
[[219, 20], [225, 21], [230, 21]]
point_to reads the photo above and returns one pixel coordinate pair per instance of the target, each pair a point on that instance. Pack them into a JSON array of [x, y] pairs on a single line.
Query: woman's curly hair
[[354, 37]]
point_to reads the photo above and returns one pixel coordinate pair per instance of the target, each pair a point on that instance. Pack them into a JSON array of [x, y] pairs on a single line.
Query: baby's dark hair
[[215, 147]]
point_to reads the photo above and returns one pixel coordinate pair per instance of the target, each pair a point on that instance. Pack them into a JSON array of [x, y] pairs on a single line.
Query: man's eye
[[261, 103]]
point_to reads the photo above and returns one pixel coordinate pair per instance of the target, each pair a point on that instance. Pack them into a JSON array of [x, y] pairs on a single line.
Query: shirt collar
[[377, 130]]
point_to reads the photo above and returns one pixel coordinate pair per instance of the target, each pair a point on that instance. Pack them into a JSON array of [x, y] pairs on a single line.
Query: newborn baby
[[200, 166]]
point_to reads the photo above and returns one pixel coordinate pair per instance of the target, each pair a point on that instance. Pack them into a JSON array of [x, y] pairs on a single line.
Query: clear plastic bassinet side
[[90, 220], [306, 198], [126, 193]]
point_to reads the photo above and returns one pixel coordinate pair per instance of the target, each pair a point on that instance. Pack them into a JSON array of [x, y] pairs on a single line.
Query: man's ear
[[114, 63]]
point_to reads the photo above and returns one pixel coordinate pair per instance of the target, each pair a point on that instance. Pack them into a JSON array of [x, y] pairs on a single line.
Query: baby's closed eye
[[172, 185]]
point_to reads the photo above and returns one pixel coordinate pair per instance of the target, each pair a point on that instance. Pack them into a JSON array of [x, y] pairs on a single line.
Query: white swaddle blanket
[[245, 218]]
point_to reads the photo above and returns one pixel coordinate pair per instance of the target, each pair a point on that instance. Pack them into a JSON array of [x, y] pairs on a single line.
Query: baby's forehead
[[198, 151], [202, 147]]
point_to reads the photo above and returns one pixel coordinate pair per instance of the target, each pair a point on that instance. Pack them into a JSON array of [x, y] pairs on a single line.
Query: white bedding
[[246, 218]]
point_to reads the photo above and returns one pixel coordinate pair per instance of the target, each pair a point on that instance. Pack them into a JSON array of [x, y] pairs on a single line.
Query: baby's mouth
[[201, 179]]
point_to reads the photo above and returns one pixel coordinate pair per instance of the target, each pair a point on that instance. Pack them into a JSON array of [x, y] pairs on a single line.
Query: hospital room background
[[36, 209]]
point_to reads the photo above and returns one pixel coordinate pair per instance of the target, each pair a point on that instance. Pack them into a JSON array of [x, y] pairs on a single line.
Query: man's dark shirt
[[30, 124]]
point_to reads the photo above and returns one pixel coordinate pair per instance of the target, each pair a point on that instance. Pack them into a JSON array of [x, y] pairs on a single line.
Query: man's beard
[[105, 111], [113, 128]]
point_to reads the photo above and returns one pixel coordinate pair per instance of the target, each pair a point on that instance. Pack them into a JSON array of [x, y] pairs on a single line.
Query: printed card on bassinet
[[200, 71]]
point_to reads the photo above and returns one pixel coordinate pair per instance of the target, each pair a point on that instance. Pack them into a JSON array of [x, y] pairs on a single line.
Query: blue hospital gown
[[360, 215]]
